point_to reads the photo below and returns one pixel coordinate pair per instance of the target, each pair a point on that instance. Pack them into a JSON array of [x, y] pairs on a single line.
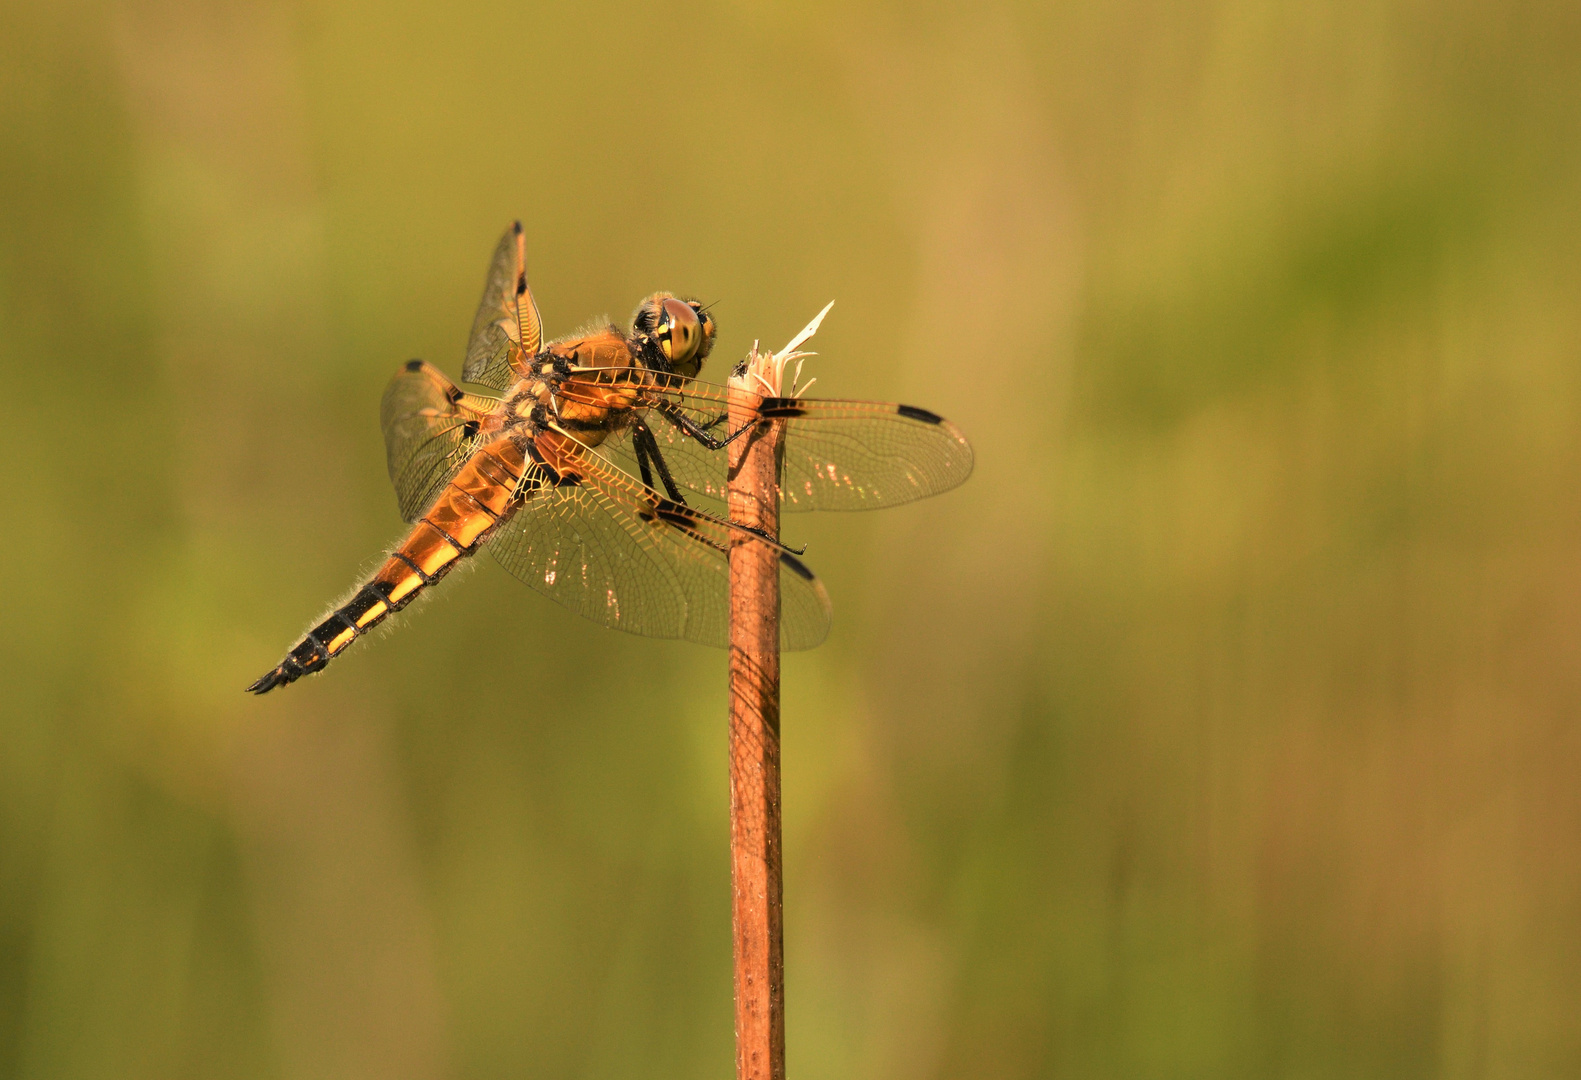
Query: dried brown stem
[[755, 867]]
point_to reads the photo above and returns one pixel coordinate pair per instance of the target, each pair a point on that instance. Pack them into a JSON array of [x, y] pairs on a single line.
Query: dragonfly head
[[680, 332]]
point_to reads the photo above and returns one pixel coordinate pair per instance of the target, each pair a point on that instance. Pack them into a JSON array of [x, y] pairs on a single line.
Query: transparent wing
[[430, 428], [624, 556], [507, 317], [839, 455]]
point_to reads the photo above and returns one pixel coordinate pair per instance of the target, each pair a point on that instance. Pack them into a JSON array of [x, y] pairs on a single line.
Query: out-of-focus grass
[[1223, 725]]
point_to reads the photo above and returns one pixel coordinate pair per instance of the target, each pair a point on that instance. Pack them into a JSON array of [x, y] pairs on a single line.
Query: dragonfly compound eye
[[709, 329], [680, 331]]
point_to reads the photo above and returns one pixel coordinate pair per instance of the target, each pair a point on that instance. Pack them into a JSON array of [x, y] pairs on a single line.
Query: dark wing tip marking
[[911, 412], [516, 227], [787, 559], [780, 408], [414, 365]]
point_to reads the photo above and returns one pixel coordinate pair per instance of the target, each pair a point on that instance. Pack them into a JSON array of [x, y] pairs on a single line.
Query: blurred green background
[[1225, 724]]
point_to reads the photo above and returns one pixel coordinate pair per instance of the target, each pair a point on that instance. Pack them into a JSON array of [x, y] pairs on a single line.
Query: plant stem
[[755, 866]]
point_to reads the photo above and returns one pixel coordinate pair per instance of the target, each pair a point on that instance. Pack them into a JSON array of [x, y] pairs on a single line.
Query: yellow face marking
[[372, 614]]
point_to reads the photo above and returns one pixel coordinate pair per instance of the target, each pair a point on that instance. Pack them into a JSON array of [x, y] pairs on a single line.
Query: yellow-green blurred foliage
[[1225, 724]]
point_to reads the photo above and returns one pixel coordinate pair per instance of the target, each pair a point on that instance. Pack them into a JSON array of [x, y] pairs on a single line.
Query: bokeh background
[[1226, 724]]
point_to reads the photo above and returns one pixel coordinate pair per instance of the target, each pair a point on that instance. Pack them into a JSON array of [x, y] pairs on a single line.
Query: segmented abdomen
[[476, 501]]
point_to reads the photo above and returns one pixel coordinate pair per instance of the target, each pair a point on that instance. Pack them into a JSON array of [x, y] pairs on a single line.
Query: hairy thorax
[[602, 402]]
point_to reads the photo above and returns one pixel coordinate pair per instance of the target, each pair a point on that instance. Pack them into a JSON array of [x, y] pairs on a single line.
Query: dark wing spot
[[521, 284], [911, 412], [795, 564], [414, 365], [453, 394], [780, 408], [516, 227], [469, 429]]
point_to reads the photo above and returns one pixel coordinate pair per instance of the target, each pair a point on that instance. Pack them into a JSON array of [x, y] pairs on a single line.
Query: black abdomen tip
[[277, 677]]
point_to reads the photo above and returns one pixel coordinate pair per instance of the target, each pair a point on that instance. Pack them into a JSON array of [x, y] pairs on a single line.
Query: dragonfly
[[588, 467]]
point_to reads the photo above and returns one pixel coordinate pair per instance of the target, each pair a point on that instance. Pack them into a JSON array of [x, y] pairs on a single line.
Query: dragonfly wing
[[624, 556], [861, 455], [507, 317], [839, 455], [430, 429]]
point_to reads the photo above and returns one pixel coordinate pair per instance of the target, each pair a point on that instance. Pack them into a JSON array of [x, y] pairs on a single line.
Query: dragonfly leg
[[732, 437], [647, 448], [697, 432], [776, 541]]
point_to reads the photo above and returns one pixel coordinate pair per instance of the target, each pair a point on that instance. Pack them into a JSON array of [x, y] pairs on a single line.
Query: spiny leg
[[647, 449], [697, 432]]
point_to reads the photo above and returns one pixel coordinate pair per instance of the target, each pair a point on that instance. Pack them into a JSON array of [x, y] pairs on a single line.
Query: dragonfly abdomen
[[479, 498]]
